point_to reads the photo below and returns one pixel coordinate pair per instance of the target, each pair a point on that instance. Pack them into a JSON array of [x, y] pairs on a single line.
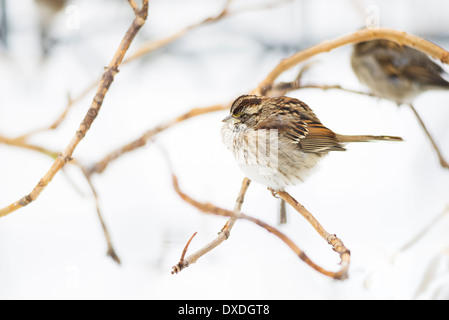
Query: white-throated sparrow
[[398, 73], [395, 72], [277, 141]]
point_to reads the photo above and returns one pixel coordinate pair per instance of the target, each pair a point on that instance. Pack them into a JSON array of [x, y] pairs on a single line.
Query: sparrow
[[277, 141], [400, 74], [394, 72]]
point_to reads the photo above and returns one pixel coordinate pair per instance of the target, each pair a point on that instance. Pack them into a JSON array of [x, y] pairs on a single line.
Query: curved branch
[[140, 142], [108, 78], [222, 235]]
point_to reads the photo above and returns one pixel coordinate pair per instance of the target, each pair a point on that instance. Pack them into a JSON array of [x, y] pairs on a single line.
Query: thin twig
[[25, 145], [140, 142], [332, 239], [108, 78], [56, 123], [110, 251], [399, 37], [267, 84], [151, 47], [100, 166], [280, 89], [187, 246], [443, 162], [134, 5], [224, 13], [283, 87], [53, 155], [212, 209], [181, 261], [222, 235]]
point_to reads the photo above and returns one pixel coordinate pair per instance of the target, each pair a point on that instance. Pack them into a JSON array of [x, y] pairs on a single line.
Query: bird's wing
[[405, 62], [295, 121]]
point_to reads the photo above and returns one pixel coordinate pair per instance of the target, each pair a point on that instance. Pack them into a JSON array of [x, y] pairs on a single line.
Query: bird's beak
[[230, 119]]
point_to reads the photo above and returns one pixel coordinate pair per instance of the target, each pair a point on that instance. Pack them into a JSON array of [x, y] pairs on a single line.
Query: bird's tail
[[346, 138]]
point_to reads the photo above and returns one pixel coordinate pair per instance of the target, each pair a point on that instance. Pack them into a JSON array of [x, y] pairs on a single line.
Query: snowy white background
[[376, 197]]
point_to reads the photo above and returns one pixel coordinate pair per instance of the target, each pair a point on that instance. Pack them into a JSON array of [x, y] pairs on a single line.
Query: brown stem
[[108, 78], [25, 145], [443, 162], [210, 208], [332, 239], [399, 37], [222, 236], [110, 251], [151, 47], [140, 142]]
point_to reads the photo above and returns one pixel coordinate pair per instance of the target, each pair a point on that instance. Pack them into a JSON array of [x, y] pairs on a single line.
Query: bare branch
[[25, 145], [110, 251], [224, 13], [140, 142], [399, 37], [212, 209], [332, 239], [148, 48], [181, 261], [108, 78], [222, 236], [70, 104], [21, 144], [443, 162]]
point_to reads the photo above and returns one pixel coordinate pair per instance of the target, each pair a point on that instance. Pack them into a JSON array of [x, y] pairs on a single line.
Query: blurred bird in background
[[398, 73]]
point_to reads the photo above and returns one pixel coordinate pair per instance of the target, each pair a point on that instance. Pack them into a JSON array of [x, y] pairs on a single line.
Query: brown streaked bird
[[398, 73], [277, 141]]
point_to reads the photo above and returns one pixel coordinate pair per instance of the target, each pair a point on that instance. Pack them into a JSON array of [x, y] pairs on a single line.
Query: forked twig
[[263, 88], [151, 47], [212, 209], [332, 239], [267, 85], [399, 37], [222, 235], [110, 251], [108, 78], [224, 13], [17, 143], [56, 123], [25, 145]]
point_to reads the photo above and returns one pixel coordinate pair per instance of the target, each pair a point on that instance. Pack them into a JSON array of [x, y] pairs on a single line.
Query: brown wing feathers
[[320, 139], [296, 121]]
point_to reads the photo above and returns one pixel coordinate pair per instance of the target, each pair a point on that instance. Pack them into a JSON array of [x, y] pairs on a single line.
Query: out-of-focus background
[[381, 199]]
